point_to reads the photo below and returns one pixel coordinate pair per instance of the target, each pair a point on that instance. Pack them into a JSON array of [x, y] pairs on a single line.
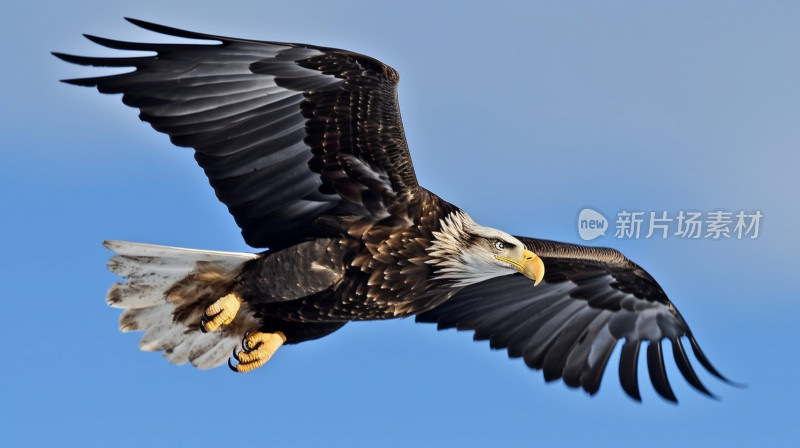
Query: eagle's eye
[[499, 245]]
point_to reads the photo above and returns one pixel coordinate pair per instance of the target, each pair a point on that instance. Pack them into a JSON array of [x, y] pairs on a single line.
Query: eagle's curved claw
[[245, 348], [221, 312], [257, 349], [247, 344], [234, 355], [204, 322]]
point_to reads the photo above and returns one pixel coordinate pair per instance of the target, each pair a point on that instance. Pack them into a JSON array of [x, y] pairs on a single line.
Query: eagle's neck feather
[[453, 252]]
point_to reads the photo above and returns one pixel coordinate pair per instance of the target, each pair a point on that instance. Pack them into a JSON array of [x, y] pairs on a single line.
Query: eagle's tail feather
[[165, 295]]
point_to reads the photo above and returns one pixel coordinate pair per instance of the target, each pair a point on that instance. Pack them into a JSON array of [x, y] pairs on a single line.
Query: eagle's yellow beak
[[530, 266]]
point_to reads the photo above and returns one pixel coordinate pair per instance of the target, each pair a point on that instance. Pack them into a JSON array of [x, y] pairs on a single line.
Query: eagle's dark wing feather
[[568, 326], [285, 132]]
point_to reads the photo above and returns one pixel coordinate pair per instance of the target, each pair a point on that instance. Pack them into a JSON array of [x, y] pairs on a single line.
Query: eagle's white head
[[466, 253]]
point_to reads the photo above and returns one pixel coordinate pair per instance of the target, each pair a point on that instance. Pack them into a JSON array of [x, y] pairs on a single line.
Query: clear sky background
[[521, 113]]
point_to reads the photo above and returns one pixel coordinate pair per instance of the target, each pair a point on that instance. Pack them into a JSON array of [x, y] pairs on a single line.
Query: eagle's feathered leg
[[221, 312], [257, 349]]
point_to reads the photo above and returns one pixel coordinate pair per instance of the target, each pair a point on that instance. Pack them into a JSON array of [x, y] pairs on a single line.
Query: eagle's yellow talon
[[222, 312], [258, 349]]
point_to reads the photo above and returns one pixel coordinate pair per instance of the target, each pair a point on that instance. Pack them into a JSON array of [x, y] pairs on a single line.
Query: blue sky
[[521, 113]]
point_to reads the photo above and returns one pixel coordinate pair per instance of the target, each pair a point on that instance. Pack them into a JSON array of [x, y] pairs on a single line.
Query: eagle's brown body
[[362, 271]]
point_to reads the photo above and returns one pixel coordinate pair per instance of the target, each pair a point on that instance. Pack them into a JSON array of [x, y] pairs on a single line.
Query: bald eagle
[[306, 148]]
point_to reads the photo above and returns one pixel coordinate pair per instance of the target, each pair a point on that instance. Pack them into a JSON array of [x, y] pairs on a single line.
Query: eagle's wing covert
[[285, 132], [568, 326]]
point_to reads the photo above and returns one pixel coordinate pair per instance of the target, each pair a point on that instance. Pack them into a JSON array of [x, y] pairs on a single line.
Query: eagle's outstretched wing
[[568, 326], [285, 132]]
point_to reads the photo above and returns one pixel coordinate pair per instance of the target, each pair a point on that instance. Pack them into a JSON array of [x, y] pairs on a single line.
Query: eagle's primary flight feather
[[305, 146]]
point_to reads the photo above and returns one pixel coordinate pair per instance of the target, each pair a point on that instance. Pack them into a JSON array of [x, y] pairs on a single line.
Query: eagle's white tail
[[165, 295]]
